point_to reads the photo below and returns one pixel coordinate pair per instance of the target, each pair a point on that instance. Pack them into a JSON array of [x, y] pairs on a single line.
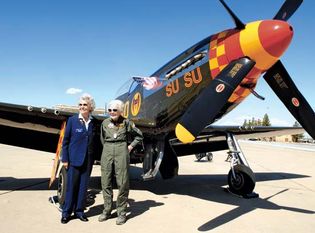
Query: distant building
[[69, 108], [284, 138]]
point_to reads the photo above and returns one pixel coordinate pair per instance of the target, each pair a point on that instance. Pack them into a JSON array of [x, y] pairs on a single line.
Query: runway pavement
[[195, 201]]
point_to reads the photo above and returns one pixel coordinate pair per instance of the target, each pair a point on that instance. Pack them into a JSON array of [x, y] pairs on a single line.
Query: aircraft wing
[[213, 137], [241, 132], [32, 127]]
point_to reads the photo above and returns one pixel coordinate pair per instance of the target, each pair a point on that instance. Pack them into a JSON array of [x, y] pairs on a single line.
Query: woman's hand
[[130, 147], [65, 164]]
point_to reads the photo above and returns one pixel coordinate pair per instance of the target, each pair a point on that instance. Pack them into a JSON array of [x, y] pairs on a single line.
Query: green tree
[[250, 123], [297, 137], [265, 120], [245, 123]]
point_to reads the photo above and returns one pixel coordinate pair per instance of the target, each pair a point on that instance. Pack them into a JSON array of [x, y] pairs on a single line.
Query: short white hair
[[89, 99], [116, 104]]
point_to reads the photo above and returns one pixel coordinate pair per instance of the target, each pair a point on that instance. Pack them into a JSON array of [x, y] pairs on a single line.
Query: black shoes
[[65, 220], [83, 218]]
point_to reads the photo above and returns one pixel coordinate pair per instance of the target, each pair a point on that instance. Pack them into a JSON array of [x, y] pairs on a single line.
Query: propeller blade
[[287, 9], [281, 83], [239, 24], [212, 99]]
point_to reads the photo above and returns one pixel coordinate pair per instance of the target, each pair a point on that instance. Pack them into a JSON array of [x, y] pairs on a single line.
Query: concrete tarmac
[[195, 201]]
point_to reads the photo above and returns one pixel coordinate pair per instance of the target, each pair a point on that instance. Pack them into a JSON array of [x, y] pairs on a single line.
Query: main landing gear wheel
[[208, 155], [244, 181], [61, 187]]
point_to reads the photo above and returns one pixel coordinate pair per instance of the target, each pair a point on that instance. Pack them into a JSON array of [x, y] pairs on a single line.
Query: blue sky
[[50, 46]]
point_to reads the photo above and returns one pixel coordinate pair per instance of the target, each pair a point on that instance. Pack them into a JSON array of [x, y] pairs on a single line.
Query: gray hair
[[89, 99], [116, 104]]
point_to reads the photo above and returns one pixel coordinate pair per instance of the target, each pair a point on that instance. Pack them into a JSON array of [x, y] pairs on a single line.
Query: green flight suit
[[115, 156]]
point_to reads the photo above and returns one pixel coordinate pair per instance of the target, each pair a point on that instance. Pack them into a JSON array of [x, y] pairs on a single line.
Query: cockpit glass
[[148, 84], [125, 87]]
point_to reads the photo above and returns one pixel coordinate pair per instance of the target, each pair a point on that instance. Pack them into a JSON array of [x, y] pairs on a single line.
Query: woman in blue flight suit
[[79, 147]]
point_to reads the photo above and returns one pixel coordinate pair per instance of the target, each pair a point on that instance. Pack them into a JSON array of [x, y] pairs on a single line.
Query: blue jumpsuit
[[79, 148]]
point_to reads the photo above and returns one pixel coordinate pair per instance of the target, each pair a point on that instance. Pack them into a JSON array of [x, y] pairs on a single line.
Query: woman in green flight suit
[[115, 158]]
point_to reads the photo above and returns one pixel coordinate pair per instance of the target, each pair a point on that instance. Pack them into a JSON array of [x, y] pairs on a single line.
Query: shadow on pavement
[[206, 187]]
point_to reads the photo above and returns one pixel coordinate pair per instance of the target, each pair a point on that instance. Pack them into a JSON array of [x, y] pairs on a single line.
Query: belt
[[115, 141]]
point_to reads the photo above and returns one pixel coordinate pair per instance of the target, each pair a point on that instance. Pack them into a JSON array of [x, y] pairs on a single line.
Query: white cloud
[[73, 91]]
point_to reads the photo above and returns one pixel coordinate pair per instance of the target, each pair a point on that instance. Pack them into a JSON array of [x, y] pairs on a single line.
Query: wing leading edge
[[214, 137]]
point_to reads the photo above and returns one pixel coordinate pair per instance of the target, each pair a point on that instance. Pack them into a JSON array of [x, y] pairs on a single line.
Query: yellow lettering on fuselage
[[126, 110], [172, 88], [190, 78]]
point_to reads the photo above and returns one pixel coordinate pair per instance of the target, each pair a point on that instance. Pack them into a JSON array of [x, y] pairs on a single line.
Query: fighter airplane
[[176, 106]]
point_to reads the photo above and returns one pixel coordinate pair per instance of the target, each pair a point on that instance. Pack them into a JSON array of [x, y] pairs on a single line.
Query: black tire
[[199, 156], [209, 156], [62, 184], [244, 183]]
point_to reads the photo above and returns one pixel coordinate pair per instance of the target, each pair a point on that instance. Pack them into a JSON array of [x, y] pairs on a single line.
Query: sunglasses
[[83, 105], [112, 110]]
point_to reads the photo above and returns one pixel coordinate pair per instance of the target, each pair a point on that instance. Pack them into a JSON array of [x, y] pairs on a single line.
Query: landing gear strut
[[241, 178], [151, 171]]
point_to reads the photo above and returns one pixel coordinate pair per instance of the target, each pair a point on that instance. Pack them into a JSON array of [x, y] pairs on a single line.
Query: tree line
[[266, 122], [257, 122]]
